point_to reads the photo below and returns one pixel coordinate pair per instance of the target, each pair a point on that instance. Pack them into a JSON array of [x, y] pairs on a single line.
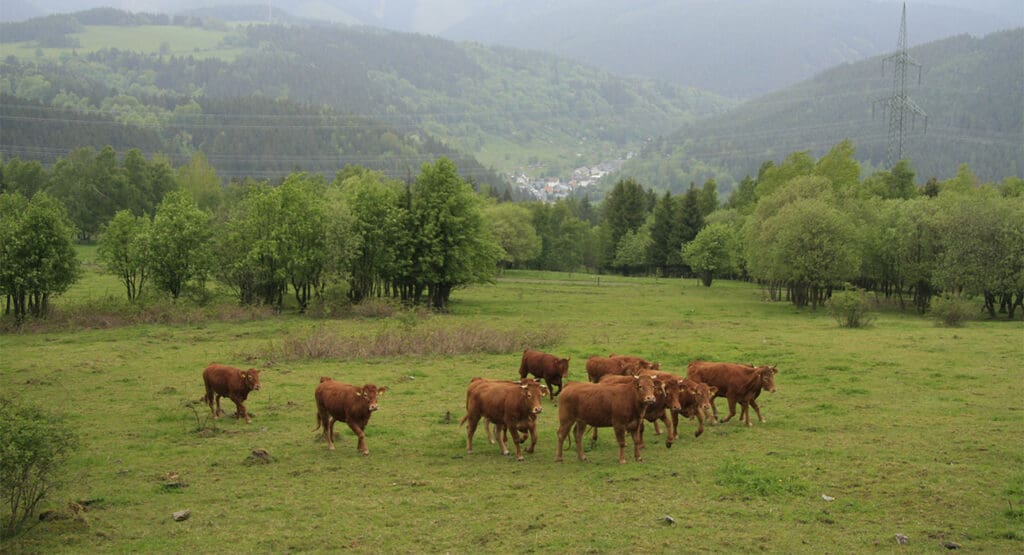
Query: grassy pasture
[[911, 428], [147, 39]]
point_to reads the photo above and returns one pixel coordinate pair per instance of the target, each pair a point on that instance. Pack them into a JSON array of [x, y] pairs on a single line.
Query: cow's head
[[630, 368], [562, 365], [369, 393], [532, 394], [672, 392], [325, 379], [767, 377], [251, 379], [645, 389]]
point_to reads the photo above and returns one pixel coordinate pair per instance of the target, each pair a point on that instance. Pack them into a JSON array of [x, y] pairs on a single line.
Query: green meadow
[[908, 428], [146, 39]]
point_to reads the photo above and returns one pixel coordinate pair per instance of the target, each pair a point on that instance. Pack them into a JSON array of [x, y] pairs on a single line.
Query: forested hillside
[[971, 88], [287, 97]]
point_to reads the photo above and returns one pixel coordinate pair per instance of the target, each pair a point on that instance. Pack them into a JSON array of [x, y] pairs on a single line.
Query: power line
[[900, 106]]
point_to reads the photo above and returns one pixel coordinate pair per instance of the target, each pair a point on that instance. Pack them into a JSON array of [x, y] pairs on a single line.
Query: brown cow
[[350, 404], [666, 396], [641, 363], [598, 366], [544, 366], [230, 382], [739, 383], [509, 405], [694, 401], [621, 406]]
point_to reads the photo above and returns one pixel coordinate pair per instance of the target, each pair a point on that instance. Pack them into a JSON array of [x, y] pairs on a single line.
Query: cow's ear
[[359, 393], [381, 390], [522, 386], [713, 390]]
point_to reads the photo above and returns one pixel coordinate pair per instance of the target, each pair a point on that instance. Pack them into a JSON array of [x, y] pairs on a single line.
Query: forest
[[348, 95], [803, 229]]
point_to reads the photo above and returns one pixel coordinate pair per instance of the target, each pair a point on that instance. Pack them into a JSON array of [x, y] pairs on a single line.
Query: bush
[[953, 310], [33, 447], [851, 309]]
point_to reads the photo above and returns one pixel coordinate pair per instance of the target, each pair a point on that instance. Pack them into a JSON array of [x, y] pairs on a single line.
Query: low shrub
[[851, 309], [33, 448], [953, 310]]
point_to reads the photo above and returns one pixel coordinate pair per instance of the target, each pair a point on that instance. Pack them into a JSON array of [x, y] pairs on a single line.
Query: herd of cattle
[[623, 392]]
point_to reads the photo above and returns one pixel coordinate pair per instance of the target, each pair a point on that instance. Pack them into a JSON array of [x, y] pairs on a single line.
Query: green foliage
[[566, 241], [37, 258], [953, 310], [714, 252], [624, 210], [632, 254], [851, 309], [513, 230], [450, 245], [34, 447], [200, 179], [180, 244], [124, 251]]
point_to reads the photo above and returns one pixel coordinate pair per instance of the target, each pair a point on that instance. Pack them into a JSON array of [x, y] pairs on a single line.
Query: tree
[[566, 241], [92, 186], [713, 252], [633, 251], [664, 247], [840, 166], [707, 200], [23, 176], [514, 232], [180, 243], [201, 180], [37, 255], [624, 210], [377, 221], [124, 251], [452, 247]]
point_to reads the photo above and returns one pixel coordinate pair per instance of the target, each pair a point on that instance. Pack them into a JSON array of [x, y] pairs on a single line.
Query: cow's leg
[[732, 409], [714, 411], [503, 439], [753, 403], [637, 445], [240, 411], [361, 446], [700, 423], [563, 432], [533, 436], [593, 438], [620, 436], [329, 430], [219, 412], [578, 432], [657, 429], [471, 424], [670, 431], [490, 435], [745, 411], [514, 429]]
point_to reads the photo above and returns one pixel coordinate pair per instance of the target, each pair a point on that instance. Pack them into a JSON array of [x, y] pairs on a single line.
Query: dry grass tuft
[[322, 343]]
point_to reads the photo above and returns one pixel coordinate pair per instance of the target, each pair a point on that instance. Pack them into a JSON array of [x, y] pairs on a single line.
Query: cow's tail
[[321, 411], [464, 419]]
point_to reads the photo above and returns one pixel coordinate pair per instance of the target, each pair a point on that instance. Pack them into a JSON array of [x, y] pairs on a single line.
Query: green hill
[[507, 108], [971, 88]]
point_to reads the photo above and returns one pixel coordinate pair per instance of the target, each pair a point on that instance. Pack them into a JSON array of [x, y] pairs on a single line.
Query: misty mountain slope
[[508, 108], [971, 88], [739, 48]]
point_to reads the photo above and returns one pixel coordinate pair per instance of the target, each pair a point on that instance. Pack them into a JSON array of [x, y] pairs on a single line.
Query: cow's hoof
[[331, 448], [520, 459], [668, 444], [530, 450], [558, 459], [506, 453], [366, 453]]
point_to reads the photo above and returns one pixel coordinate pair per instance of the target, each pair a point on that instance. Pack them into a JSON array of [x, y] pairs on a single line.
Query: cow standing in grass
[[545, 367], [620, 406], [235, 384], [350, 404], [738, 383], [598, 367], [511, 406]]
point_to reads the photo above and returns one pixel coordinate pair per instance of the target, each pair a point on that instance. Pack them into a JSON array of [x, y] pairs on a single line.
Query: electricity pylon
[[903, 111]]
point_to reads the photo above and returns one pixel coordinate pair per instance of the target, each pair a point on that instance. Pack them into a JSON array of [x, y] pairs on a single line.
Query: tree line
[[803, 228]]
